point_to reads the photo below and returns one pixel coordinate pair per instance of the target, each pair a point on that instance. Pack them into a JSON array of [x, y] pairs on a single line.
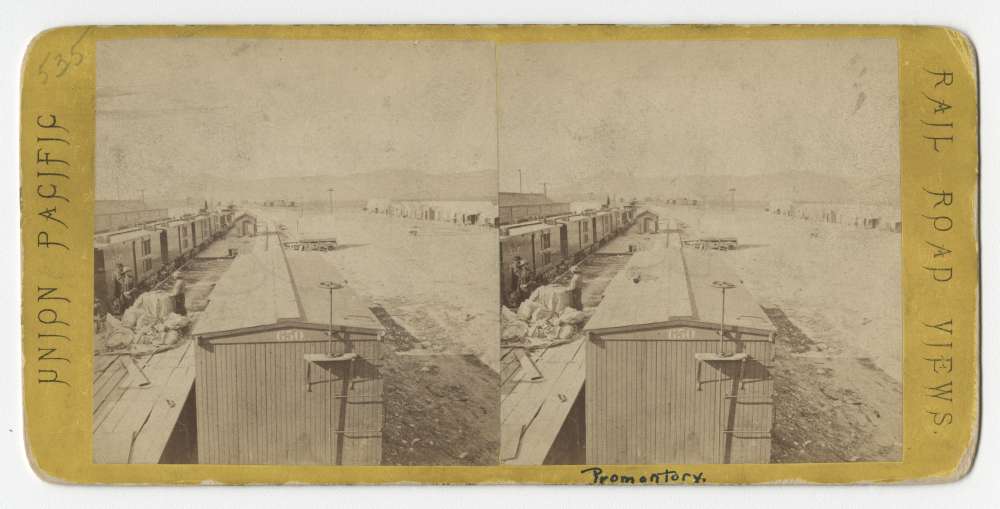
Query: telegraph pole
[[723, 285], [331, 286], [142, 195], [330, 190], [520, 181], [732, 198], [545, 189]]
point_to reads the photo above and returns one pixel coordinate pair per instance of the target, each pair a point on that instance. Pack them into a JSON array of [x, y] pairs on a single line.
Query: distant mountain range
[[482, 185], [792, 185], [393, 184]]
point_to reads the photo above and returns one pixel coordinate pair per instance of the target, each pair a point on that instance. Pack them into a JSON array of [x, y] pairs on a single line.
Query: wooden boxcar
[[538, 244], [577, 236], [660, 386], [272, 385], [215, 219], [143, 251], [602, 226], [179, 238], [202, 229]]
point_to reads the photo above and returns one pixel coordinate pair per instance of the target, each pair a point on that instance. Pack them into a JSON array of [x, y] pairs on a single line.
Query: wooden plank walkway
[[533, 411], [131, 424]]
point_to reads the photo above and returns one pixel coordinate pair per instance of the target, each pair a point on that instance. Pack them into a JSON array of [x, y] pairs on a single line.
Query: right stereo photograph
[[699, 252]]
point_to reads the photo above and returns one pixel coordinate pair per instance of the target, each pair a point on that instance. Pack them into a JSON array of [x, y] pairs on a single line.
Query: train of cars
[[547, 247], [150, 251]]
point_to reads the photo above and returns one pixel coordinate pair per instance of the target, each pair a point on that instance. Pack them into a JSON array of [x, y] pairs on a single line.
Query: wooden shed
[[649, 221], [245, 225], [273, 386], [661, 387]]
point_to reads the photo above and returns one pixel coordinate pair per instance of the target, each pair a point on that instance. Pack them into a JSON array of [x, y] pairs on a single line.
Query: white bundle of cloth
[[150, 320]]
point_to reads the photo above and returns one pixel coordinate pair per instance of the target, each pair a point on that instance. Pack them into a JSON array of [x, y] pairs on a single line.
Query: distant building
[[861, 215], [117, 214], [520, 207], [780, 207], [466, 212], [579, 207], [648, 221], [681, 201]]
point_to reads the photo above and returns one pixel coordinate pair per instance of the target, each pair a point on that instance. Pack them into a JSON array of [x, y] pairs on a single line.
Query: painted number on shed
[[289, 335], [680, 333]]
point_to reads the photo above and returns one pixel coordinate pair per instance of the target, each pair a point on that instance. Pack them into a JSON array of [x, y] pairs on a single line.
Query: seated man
[[177, 292]]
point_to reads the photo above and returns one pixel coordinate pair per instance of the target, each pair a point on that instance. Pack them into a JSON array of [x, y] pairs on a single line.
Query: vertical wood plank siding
[[643, 405], [255, 407]]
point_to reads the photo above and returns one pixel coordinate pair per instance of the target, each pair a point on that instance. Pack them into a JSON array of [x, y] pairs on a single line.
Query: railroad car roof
[[528, 228], [573, 218], [123, 236], [269, 286], [676, 285]]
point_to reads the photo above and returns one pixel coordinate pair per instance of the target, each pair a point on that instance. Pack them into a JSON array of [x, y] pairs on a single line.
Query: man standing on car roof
[[177, 292], [576, 288]]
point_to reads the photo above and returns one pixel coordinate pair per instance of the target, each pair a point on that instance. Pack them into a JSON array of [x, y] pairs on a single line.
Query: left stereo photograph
[[295, 252]]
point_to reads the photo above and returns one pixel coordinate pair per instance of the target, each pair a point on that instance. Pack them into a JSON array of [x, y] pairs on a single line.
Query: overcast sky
[[167, 108], [692, 107]]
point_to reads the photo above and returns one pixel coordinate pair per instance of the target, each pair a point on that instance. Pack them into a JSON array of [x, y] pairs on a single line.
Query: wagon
[[719, 243], [313, 244]]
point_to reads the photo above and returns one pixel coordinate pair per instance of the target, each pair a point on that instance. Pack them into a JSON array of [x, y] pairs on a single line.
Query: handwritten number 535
[[59, 63]]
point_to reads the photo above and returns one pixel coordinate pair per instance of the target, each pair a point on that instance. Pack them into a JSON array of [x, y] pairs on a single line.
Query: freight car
[[180, 238], [202, 230], [538, 244], [148, 252], [577, 236], [140, 250], [549, 247]]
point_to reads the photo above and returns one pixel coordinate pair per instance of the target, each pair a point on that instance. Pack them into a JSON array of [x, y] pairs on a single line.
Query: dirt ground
[[440, 409], [834, 293], [839, 284], [440, 283]]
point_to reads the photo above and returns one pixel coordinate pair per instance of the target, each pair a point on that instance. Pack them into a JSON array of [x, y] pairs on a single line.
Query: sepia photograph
[[297, 247], [700, 252], [295, 252]]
